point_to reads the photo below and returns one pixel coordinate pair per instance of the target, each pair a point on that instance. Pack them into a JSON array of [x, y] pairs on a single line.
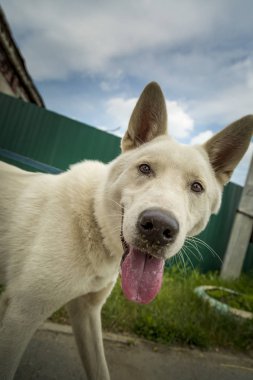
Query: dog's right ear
[[226, 148], [148, 120]]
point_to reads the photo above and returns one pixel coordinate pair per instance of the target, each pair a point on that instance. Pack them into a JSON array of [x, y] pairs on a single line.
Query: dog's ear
[[148, 120], [226, 148]]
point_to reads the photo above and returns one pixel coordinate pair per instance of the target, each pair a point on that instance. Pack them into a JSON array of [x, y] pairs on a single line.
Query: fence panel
[[51, 138]]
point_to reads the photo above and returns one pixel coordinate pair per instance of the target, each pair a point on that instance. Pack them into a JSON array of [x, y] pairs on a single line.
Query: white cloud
[[61, 37], [111, 80], [201, 137], [231, 100], [180, 123], [190, 47]]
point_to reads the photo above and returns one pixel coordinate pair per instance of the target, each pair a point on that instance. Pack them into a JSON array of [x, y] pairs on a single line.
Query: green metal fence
[[52, 139]]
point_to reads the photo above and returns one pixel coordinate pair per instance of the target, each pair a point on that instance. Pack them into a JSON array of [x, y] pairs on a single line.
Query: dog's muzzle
[[142, 264]]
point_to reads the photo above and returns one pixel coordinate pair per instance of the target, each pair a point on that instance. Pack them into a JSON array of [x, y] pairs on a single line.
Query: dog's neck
[[91, 215]]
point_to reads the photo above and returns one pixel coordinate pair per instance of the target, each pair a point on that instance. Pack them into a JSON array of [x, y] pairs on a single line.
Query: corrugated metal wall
[[51, 138], [59, 141]]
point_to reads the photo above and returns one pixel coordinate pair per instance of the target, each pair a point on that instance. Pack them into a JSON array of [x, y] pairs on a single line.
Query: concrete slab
[[53, 355]]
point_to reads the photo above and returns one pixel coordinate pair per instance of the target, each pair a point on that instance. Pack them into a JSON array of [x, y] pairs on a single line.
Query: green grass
[[178, 316]]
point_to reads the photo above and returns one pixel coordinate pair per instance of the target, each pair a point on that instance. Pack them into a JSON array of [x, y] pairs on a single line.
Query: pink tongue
[[141, 276]]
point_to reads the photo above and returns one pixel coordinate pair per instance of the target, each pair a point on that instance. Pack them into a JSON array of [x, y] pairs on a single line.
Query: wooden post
[[241, 231]]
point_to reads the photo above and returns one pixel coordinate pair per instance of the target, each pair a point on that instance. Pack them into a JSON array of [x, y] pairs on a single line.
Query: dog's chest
[[96, 272], [106, 272]]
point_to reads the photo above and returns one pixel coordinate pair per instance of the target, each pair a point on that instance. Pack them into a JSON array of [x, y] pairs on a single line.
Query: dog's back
[[20, 209]]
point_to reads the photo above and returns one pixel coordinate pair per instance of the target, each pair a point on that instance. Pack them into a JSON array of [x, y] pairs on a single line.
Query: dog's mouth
[[141, 273]]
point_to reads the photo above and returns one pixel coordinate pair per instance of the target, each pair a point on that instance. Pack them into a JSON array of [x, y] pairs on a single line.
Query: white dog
[[63, 238]]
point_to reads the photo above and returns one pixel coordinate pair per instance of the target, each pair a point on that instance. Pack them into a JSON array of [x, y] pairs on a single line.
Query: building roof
[[15, 57]]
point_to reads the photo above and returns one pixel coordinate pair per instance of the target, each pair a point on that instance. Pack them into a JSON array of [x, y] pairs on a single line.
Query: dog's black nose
[[158, 226]]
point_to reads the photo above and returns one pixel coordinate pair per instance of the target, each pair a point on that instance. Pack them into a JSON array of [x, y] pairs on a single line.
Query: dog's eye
[[145, 169], [197, 187]]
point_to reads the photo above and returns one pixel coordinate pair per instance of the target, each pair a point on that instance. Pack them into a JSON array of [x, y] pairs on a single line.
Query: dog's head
[[167, 191]]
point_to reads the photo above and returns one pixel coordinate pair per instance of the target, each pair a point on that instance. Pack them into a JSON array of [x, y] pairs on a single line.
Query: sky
[[90, 60]]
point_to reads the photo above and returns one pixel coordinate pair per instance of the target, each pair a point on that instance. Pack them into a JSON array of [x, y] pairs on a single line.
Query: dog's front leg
[[20, 315], [85, 316]]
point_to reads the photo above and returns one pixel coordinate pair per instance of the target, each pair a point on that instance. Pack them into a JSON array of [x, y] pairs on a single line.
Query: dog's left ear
[[148, 120], [226, 148]]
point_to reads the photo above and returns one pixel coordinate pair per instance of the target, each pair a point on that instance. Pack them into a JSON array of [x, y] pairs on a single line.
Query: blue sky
[[91, 59]]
